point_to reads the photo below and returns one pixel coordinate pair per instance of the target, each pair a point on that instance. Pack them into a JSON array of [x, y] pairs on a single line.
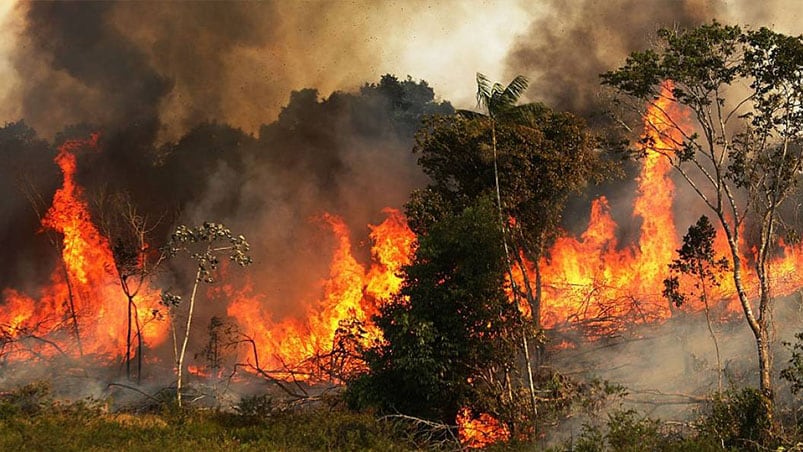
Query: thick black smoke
[[78, 67]]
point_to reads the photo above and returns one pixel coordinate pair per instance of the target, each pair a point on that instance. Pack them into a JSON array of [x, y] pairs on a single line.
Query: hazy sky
[[237, 61]]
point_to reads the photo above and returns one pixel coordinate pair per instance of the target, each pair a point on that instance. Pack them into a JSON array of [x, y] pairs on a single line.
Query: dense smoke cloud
[[567, 47], [188, 62]]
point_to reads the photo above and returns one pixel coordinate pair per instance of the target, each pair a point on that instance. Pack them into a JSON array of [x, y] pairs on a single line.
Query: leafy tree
[[527, 157], [743, 158], [530, 158], [203, 244], [794, 372], [697, 258], [450, 334]]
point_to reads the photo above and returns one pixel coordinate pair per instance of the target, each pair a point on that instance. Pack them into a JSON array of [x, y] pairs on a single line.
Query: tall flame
[[596, 282], [352, 292], [83, 309]]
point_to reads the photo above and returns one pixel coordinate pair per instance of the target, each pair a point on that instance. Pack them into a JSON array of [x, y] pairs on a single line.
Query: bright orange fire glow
[[351, 292], [591, 280], [595, 281], [83, 297], [481, 431]]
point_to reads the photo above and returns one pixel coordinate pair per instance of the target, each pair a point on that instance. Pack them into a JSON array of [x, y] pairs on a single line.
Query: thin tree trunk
[[183, 351], [710, 327], [139, 345], [71, 307], [527, 360], [128, 341]]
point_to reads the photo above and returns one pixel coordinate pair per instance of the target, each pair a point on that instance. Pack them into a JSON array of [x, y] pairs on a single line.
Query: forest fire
[[597, 282], [350, 294], [480, 431], [592, 281], [82, 310]]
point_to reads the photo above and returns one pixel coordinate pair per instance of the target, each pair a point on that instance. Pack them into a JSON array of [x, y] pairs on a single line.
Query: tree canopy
[[450, 333]]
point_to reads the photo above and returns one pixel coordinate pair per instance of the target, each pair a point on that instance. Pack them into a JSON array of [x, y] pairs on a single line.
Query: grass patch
[[35, 422]]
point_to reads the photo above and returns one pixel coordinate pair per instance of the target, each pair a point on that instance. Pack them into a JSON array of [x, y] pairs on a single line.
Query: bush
[[28, 400], [739, 419]]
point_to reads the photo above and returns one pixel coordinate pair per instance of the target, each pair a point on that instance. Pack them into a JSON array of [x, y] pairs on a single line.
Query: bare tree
[[203, 244]]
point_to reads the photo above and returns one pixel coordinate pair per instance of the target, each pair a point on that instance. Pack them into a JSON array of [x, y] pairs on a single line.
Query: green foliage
[[743, 151], [739, 419], [763, 145], [450, 334], [543, 157], [258, 406], [496, 98], [697, 258], [794, 372], [186, 239], [629, 431], [27, 400], [78, 427], [626, 431]]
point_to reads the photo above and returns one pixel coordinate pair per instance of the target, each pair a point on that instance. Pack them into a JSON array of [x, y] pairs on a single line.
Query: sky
[[238, 61]]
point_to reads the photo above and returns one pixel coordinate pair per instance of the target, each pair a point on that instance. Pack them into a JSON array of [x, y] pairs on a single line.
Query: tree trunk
[[701, 272], [71, 307], [757, 326], [128, 339], [527, 360], [180, 361]]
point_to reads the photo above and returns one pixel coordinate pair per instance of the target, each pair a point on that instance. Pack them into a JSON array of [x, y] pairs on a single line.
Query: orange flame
[[351, 292], [481, 431], [84, 295], [594, 281]]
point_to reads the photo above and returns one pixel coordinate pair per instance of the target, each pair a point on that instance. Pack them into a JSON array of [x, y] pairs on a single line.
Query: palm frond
[[513, 91], [525, 115], [495, 97], [484, 91], [468, 114]]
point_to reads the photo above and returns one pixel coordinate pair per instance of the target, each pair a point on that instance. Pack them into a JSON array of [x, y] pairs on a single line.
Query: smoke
[[669, 370], [566, 48], [182, 63]]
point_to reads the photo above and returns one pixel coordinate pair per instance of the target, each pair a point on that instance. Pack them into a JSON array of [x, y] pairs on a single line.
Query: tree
[[450, 334], [136, 261], [697, 258], [743, 157], [204, 244], [538, 159]]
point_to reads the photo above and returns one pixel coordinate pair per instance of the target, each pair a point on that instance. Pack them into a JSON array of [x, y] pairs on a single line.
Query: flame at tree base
[[480, 431], [351, 296]]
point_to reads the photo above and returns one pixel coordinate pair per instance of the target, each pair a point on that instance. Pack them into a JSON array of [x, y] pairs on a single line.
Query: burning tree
[[135, 262], [203, 244], [743, 90]]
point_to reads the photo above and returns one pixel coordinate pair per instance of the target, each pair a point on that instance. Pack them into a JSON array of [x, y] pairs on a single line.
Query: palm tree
[[498, 100]]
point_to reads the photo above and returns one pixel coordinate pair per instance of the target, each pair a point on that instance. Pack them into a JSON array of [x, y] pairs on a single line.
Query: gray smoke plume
[[567, 47]]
